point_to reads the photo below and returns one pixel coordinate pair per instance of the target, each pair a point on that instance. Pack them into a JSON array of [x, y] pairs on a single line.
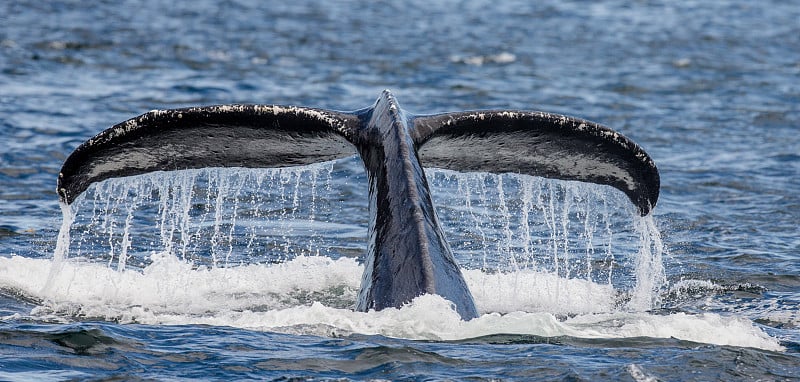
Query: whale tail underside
[[538, 144], [255, 136]]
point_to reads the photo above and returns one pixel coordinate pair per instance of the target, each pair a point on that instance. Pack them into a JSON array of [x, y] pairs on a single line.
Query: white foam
[[499, 58], [639, 375], [555, 259], [314, 295], [531, 291], [705, 328]]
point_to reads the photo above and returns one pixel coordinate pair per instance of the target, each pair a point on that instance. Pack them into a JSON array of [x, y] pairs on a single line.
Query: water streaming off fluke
[[569, 234]]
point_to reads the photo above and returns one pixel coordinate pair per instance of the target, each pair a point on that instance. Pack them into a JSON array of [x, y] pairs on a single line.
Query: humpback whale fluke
[[407, 253]]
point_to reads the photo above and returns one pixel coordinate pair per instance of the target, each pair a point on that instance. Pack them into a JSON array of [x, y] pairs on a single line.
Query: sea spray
[[649, 266], [541, 257], [61, 251], [507, 224], [215, 217], [570, 229]]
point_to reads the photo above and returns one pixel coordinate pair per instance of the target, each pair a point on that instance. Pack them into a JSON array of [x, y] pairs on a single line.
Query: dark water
[[709, 89]]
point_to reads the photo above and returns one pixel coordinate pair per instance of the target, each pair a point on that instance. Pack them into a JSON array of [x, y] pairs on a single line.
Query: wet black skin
[[408, 254]]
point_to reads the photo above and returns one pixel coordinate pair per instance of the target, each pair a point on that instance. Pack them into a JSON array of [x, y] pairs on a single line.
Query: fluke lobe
[[408, 254]]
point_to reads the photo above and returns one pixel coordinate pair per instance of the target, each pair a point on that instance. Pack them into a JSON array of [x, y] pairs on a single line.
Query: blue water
[[257, 282]]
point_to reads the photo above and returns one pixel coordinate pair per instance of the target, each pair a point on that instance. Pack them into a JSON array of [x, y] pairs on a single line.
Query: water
[[252, 273]]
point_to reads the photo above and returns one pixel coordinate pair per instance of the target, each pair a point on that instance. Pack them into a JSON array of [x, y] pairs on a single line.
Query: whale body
[[407, 254]]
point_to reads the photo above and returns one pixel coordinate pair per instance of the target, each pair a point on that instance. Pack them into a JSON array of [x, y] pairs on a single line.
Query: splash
[[61, 251], [225, 241], [280, 250], [515, 223], [495, 223], [212, 217], [649, 267], [312, 295]]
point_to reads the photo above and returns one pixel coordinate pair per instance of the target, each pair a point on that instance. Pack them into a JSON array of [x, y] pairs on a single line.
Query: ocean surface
[[237, 274]]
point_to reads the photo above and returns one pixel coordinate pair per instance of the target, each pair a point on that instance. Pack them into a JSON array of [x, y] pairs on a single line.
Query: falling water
[[62, 245], [496, 223], [512, 223], [215, 217]]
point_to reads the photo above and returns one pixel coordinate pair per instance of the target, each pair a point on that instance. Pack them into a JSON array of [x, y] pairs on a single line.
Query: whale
[[407, 253]]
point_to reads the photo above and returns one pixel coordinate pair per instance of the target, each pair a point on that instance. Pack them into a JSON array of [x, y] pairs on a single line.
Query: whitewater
[[304, 287]]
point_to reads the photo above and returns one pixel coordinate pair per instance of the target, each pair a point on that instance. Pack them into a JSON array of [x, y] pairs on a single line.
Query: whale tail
[[258, 136], [407, 253], [254, 136], [539, 144]]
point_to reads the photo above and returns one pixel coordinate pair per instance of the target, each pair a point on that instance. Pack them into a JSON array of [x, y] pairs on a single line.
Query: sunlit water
[[252, 274]]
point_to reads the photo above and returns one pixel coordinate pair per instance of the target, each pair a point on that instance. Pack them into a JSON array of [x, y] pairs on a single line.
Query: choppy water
[[241, 274]]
